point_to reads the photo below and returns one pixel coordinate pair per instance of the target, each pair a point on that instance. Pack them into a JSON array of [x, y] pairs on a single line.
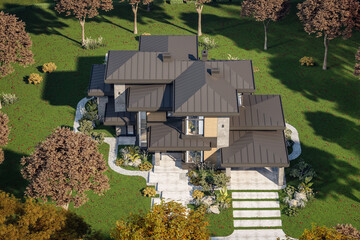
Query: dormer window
[[195, 125]]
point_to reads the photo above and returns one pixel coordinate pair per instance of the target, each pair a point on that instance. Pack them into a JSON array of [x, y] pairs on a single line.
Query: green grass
[[123, 197], [322, 105]]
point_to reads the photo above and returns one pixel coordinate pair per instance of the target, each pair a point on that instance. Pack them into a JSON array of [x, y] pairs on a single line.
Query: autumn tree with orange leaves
[[329, 19], [265, 11], [134, 7], [83, 9], [4, 134], [15, 44], [357, 64], [64, 167]]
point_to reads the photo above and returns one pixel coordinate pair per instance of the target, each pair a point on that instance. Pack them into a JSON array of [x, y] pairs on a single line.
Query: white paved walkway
[[296, 147]]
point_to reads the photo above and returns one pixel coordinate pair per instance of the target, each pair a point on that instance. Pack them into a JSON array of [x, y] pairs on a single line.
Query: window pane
[[195, 125], [194, 156]]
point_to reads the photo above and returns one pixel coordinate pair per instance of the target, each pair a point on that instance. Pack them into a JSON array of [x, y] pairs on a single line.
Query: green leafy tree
[[64, 167], [265, 11], [134, 7], [330, 19], [168, 220], [83, 9]]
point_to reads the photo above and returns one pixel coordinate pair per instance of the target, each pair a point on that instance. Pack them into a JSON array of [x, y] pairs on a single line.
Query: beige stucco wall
[[210, 130]]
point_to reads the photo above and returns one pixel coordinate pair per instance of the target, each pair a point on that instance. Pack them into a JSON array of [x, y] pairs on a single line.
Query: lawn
[[322, 105]]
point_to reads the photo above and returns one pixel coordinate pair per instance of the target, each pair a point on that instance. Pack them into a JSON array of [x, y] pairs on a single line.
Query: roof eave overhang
[[208, 114], [230, 165], [152, 149], [96, 93], [133, 109], [135, 81], [258, 128]]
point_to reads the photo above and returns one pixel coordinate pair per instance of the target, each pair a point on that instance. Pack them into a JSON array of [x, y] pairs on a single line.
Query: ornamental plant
[[8, 98], [49, 67], [348, 230], [149, 192], [145, 166], [307, 61], [197, 194], [35, 78], [322, 232]]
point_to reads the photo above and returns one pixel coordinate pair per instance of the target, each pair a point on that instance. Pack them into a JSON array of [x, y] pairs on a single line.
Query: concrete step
[[258, 223], [250, 186], [256, 204], [170, 163], [168, 169], [255, 195], [164, 177], [256, 213], [180, 186], [176, 195]]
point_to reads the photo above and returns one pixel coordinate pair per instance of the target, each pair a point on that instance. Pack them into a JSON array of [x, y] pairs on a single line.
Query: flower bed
[[133, 158]]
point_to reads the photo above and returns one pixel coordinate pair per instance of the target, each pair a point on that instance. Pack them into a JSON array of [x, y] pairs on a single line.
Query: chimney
[[215, 72], [166, 57], [204, 55]]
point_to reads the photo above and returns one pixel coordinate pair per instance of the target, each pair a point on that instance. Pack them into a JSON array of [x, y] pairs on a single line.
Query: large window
[[194, 125], [142, 129], [194, 156]]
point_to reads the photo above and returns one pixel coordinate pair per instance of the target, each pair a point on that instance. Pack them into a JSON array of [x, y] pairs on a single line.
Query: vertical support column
[[281, 177], [228, 174], [102, 101], [157, 158]]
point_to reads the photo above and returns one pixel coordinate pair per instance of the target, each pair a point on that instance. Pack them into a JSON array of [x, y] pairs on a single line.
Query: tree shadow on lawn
[[68, 88], [332, 174], [11, 180]]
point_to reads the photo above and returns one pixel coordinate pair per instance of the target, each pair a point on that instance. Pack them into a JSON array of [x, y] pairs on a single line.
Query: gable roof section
[[197, 93], [97, 86], [150, 98], [142, 68], [182, 47], [255, 149], [238, 73], [113, 118], [259, 112]]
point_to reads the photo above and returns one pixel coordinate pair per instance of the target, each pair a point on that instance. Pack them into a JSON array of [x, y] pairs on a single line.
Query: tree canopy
[[64, 167], [357, 63], [168, 220], [4, 134], [15, 43]]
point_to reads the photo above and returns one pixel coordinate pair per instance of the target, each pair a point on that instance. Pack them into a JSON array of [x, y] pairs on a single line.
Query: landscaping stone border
[[296, 147]]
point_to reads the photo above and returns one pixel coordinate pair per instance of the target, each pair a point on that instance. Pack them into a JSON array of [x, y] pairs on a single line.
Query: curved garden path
[[296, 147]]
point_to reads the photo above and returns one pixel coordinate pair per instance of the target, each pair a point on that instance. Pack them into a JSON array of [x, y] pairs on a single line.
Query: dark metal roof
[[97, 87], [259, 112], [131, 67], [167, 137], [182, 47], [113, 118], [255, 149], [238, 73], [150, 98], [198, 93]]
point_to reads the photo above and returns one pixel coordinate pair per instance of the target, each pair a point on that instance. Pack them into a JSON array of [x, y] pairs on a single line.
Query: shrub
[[197, 194], [232, 57], [35, 78], [348, 230], [86, 127], [8, 98], [98, 136], [308, 61], [208, 43], [149, 192], [194, 177], [321, 233], [145, 166], [302, 170], [49, 67], [4, 129], [90, 116], [291, 211], [91, 105], [90, 43], [119, 162], [223, 198], [288, 133], [256, 69], [221, 180], [2, 156]]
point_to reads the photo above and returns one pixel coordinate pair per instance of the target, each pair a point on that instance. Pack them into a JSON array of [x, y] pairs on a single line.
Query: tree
[[83, 9], [36, 221], [329, 18], [168, 220], [64, 167], [199, 5], [15, 44], [357, 64], [4, 133], [265, 11], [134, 7]]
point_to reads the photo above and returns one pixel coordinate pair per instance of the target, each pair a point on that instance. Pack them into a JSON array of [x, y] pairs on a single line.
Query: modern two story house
[[173, 101]]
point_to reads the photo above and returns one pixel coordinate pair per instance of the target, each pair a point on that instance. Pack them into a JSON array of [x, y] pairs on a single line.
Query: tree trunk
[[265, 29], [82, 23], [326, 44], [148, 7], [199, 10], [134, 8]]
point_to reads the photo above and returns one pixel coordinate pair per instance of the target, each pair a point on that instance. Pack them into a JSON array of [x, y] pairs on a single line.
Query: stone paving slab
[[296, 147], [256, 213], [254, 179], [183, 195], [255, 204], [255, 195], [180, 186], [258, 223], [254, 234]]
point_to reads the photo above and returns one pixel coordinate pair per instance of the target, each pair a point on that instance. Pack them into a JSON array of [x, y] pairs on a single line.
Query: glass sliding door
[[142, 129], [194, 156]]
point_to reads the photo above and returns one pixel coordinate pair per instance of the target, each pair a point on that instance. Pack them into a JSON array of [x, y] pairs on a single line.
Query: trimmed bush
[[49, 67], [145, 166], [149, 192], [119, 162], [98, 136], [307, 61], [8, 98], [86, 127], [91, 105], [90, 43], [197, 194], [208, 43], [90, 116], [302, 170], [35, 78]]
